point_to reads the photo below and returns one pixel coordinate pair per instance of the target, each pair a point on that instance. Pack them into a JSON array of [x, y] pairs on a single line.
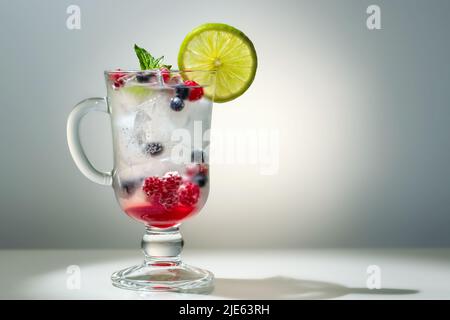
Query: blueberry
[[200, 180], [153, 148], [129, 187], [177, 104], [144, 77], [182, 91], [197, 156]]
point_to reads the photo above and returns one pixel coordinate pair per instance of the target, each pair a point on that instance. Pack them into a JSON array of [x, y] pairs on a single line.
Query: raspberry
[[117, 78], [193, 169], [171, 181], [169, 199], [203, 169], [153, 187], [169, 191], [196, 92], [188, 194], [165, 74]]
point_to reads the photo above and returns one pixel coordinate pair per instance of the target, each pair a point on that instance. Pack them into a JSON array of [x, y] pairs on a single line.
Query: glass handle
[[73, 139]]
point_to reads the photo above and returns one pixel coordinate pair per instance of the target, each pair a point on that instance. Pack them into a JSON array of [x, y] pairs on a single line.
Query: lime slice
[[220, 47], [136, 95]]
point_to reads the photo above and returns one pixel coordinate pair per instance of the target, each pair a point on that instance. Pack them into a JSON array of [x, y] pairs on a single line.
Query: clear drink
[[161, 143]]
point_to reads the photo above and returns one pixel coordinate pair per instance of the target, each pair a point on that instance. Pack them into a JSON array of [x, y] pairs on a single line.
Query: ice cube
[[173, 119], [164, 120], [142, 127], [150, 121]]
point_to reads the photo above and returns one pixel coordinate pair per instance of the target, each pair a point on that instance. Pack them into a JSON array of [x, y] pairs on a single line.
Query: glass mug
[[160, 130]]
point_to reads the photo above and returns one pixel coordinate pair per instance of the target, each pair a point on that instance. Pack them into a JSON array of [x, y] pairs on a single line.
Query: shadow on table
[[289, 288]]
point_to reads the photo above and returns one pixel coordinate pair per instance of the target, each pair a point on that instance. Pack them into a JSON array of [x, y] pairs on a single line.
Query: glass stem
[[162, 247]]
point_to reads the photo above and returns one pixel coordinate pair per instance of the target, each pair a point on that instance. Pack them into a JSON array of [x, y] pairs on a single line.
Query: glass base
[[177, 277]]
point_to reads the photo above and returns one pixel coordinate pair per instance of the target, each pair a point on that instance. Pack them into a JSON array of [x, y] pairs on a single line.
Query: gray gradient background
[[363, 119]]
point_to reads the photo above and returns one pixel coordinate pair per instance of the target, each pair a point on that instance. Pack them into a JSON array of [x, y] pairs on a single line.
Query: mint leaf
[[146, 60], [157, 61], [143, 56]]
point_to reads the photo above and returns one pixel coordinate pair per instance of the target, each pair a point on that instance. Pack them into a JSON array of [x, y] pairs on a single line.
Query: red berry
[[203, 169], [193, 169], [188, 194], [169, 199], [117, 78], [170, 191], [153, 187], [196, 92], [165, 74], [171, 181]]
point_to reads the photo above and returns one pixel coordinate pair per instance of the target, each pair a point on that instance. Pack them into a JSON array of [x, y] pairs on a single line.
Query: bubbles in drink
[[145, 121]]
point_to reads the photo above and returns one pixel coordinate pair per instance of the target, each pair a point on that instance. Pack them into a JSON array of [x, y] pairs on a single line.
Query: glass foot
[[164, 277]]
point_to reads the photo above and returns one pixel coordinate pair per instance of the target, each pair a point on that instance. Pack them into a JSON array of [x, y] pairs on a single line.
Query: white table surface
[[253, 274]]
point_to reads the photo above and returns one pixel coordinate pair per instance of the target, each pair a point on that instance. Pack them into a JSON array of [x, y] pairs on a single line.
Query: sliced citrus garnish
[[228, 51]]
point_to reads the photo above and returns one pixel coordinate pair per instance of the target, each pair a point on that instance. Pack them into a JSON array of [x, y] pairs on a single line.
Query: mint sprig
[[147, 61]]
